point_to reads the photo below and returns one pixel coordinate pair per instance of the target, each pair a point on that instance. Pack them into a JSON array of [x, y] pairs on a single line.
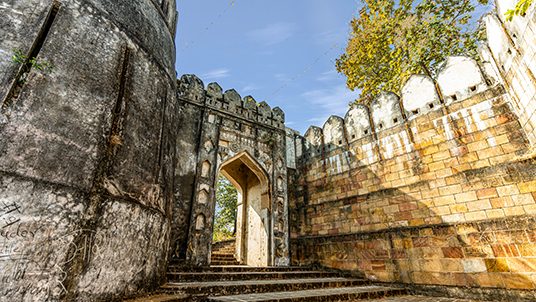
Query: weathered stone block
[[20, 26], [474, 265], [62, 129], [132, 262], [39, 222], [496, 265], [63, 113]]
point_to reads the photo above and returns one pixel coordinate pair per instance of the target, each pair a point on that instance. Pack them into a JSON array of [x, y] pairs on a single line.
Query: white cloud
[[273, 34], [249, 88], [327, 76], [215, 74], [329, 22], [282, 77], [318, 119], [334, 38], [331, 101]]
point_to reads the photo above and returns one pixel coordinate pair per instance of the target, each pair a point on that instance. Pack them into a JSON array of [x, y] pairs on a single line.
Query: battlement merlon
[[191, 88]]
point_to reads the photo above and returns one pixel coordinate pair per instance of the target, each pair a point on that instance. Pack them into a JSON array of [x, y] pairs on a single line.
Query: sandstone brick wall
[[405, 207], [483, 256], [439, 179], [437, 188]]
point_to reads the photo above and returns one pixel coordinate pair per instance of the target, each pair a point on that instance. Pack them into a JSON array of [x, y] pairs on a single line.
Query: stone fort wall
[[87, 148], [108, 163], [435, 188]]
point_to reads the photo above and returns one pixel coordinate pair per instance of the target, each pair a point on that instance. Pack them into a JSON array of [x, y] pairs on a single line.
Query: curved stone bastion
[[87, 146]]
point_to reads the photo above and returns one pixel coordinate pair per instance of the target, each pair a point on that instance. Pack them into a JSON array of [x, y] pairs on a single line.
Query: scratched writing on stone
[[28, 269], [8, 214]]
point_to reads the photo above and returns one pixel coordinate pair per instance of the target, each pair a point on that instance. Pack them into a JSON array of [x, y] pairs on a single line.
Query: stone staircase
[[226, 280], [223, 253], [243, 283]]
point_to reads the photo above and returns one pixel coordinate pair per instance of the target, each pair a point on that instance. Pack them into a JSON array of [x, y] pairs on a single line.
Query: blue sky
[[280, 51]]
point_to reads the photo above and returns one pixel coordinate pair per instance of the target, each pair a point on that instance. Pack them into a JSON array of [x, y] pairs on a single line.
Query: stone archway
[[254, 209], [229, 130]]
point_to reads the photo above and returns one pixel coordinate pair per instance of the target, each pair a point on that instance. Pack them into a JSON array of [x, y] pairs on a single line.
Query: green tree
[[390, 40], [521, 8], [226, 210]]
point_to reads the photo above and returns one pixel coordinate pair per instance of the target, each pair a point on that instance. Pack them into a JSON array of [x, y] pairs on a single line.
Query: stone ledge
[[482, 225]]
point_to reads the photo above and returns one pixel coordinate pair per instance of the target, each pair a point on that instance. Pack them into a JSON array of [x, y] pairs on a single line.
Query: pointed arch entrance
[[243, 143], [254, 209]]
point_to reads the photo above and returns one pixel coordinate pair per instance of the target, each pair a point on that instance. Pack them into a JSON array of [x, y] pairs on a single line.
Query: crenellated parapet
[[459, 79], [192, 89], [357, 122], [314, 141], [385, 111], [334, 134]]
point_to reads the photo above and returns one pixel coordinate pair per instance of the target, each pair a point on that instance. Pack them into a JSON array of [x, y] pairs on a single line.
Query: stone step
[[222, 260], [229, 248], [221, 288], [322, 294], [225, 262], [235, 268], [222, 256], [219, 253], [231, 252], [413, 298], [162, 298], [232, 276], [223, 245]]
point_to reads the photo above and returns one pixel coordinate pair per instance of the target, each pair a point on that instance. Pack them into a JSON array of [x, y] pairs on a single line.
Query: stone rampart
[[434, 188], [511, 52]]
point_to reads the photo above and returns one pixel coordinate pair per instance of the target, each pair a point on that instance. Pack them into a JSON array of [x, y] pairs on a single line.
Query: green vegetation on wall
[[520, 10]]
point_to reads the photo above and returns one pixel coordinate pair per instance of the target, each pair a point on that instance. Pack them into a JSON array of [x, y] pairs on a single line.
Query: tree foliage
[[390, 40], [521, 8], [226, 210]]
